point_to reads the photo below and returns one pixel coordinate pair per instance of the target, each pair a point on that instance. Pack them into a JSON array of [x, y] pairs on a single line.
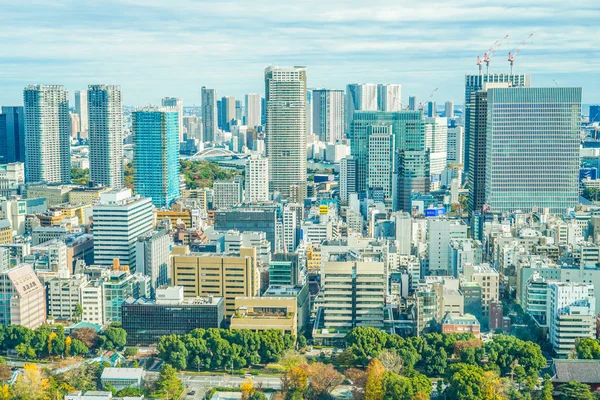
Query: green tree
[[116, 336], [168, 384], [131, 351], [365, 343], [435, 361], [575, 391], [465, 382], [78, 348], [547, 389], [587, 349], [406, 388], [504, 350]]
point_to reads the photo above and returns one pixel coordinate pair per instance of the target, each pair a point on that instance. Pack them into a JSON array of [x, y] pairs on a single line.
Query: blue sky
[[157, 48]]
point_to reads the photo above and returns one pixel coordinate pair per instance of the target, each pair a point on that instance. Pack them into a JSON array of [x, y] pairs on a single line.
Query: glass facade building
[[156, 161], [532, 149]]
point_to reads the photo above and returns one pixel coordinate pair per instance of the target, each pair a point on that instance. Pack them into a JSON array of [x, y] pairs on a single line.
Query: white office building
[[47, 134], [328, 114], [63, 295], [227, 194], [119, 219], [285, 90], [359, 97], [348, 178], [178, 105], [571, 315], [436, 140], [152, 256], [81, 109], [92, 302], [441, 232], [253, 109], [389, 97], [257, 179], [381, 159], [455, 146], [105, 109]]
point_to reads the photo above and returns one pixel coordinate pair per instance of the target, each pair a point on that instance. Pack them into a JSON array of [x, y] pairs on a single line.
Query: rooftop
[[122, 373], [585, 371]]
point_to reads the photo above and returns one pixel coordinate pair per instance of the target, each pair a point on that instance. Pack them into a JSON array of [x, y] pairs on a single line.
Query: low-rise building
[[121, 378], [263, 313], [461, 324]]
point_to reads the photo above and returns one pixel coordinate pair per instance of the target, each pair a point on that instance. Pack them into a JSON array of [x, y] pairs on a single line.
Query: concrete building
[[389, 97], [92, 302], [6, 231], [119, 286], [47, 134], [81, 109], [226, 276], [381, 159], [227, 194], [489, 281], [226, 113], [54, 195], [436, 141], [257, 180], [441, 232], [285, 90], [455, 146], [252, 109], [328, 114], [63, 294], [105, 108], [152, 252], [571, 315], [252, 218], [11, 176], [23, 298], [449, 109], [359, 97], [262, 313], [119, 219], [462, 252], [209, 114], [348, 177], [156, 161]]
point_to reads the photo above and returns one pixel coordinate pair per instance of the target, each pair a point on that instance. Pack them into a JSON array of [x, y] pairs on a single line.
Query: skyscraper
[[12, 120], [436, 141], [389, 97], [209, 114], [285, 90], [227, 112], [474, 83], [253, 109], [328, 114], [381, 158], [476, 146], [532, 148], [431, 109], [359, 97], [455, 146], [178, 104], [47, 134], [412, 103], [257, 179], [594, 114], [239, 111], [105, 110], [449, 110], [156, 161], [348, 172], [81, 109], [119, 220]]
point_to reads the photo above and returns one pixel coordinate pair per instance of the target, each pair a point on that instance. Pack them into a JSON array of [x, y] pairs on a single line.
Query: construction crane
[[513, 54], [487, 57]]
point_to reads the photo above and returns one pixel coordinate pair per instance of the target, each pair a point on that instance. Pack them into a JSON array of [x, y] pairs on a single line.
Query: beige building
[[219, 275], [54, 195], [86, 195], [262, 313], [489, 280], [6, 231], [79, 210], [26, 297], [176, 215]]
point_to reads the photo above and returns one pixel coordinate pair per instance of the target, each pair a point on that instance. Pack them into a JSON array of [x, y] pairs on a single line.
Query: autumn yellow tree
[[491, 386], [51, 337], [374, 388], [31, 384], [247, 388], [5, 392], [68, 346]]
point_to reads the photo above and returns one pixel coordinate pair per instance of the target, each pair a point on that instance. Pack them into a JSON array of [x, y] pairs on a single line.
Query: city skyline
[[163, 52]]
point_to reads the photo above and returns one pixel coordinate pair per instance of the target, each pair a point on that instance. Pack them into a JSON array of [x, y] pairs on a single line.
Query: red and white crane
[[512, 54], [487, 57]]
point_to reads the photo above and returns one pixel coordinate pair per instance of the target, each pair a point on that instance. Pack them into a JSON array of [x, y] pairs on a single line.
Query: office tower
[[227, 113], [252, 218], [534, 164], [328, 114], [230, 276], [156, 161], [284, 269], [119, 219], [23, 298], [571, 315], [285, 90], [449, 110], [239, 112], [152, 252], [359, 97], [476, 149], [81, 109], [263, 111], [227, 194], [209, 114], [441, 232], [105, 110], [475, 83], [403, 225], [455, 147], [74, 125], [353, 293], [178, 105], [193, 128], [431, 109], [257, 179], [348, 177], [252, 109], [594, 114], [309, 112], [389, 97], [293, 215], [170, 314], [47, 134], [12, 132], [436, 140], [381, 159], [412, 103]]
